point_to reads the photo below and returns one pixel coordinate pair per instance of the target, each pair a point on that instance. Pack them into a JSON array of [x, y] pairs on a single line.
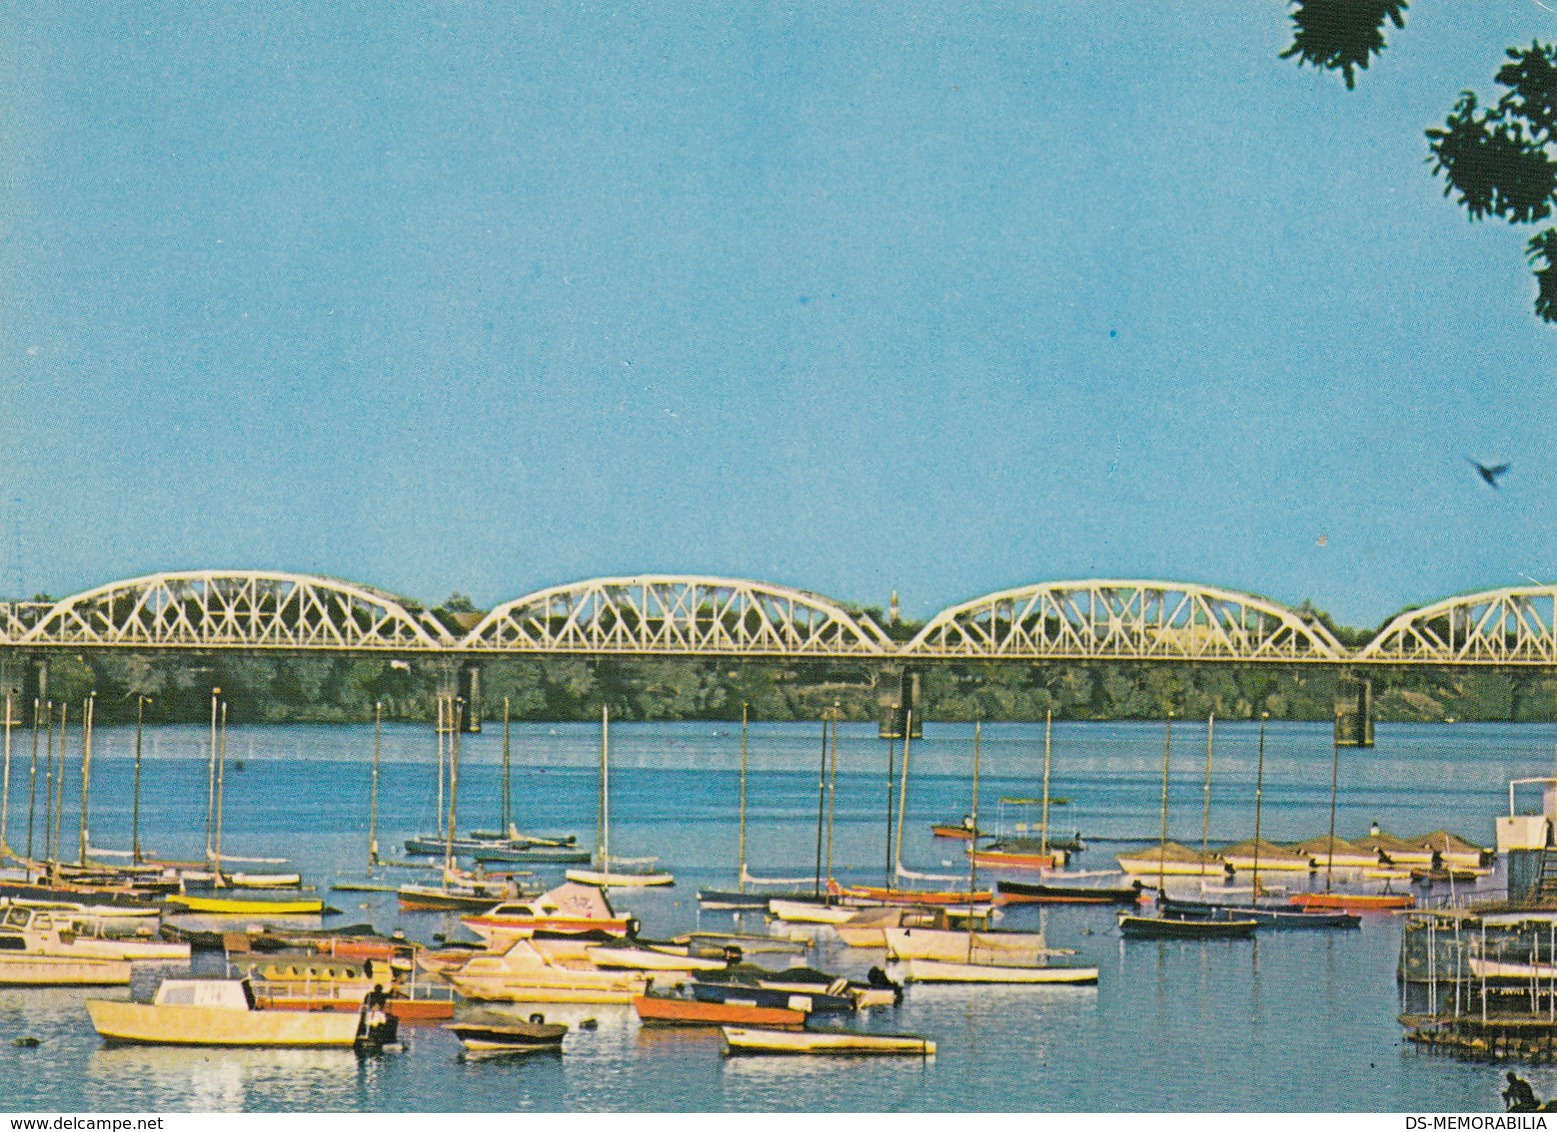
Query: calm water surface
[[1288, 1021]]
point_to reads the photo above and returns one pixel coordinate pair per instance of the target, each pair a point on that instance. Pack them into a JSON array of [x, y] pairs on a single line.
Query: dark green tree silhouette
[[1502, 161], [1341, 35]]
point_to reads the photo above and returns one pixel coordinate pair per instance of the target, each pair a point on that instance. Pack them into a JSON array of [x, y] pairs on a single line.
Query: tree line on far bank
[[288, 688]]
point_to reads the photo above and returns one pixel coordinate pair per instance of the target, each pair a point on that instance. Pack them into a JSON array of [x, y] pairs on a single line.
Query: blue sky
[[489, 298]]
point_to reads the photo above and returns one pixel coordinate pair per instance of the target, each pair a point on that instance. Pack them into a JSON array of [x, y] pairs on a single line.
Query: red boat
[[669, 1010], [908, 895], [999, 857], [1355, 901], [955, 831]]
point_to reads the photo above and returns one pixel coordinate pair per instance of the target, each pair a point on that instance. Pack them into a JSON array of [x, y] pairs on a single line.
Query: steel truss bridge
[[689, 616]]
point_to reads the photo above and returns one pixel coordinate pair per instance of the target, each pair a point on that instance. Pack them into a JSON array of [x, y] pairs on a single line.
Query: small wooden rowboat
[[910, 895], [1155, 927], [1355, 901], [956, 831], [668, 1010], [484, 1038], [1018, 855], [811, 911], [1277, 918], [730, 900], [808, 1002], [740, 1039], [940, 971], [1058, 892]]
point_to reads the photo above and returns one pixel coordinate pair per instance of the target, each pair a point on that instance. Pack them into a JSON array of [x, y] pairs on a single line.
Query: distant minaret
[[892, 610]]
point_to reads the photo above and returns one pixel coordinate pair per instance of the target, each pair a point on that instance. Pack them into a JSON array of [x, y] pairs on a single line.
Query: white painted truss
[[250, 609], [671, 615], [1123, 620], [1517, 625]]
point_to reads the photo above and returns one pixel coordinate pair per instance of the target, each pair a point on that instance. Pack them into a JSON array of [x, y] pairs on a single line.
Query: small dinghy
[[1157, 927], [483, 1037], [941, 971], [672, 1010], [739, 1039]]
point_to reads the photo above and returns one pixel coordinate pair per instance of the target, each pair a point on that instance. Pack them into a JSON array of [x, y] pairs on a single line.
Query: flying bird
[[1490, 474]]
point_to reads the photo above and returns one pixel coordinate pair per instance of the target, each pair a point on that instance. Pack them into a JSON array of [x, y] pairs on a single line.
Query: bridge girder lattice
[[1124, 620], [1512, 626], [673, 615], [247, 609]]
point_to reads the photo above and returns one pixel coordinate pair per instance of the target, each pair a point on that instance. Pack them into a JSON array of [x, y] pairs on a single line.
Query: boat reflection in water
[[219, 1079]]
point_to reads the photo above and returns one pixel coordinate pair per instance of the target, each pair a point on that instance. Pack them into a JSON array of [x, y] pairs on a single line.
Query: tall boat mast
[[1205, 817], [59, 791], [445, 707], [378, 726], [1043, 847], [5, 785], [902, 799], [740, 876], [135, 805], [1162, 852], [456, 706], [832, 789], [891, 786], [821, 803], [973, 857], [32, 774], [210, 777], [1259, 790], [221, 777], [1335, 778], [86, 772], [507, 793]]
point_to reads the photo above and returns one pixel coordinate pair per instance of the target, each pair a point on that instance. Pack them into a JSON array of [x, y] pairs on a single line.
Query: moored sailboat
[[609, 871]]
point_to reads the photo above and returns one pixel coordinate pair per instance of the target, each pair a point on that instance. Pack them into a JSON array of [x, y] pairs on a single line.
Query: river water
[[1286, 1022]]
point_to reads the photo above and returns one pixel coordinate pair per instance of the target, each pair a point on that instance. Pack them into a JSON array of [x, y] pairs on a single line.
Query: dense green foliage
[[277, 688], [1341, 35]]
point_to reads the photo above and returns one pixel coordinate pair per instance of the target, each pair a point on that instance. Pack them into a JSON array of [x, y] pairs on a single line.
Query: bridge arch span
[[241, 609], [1515, 625], [1123, 620], [676, 615]]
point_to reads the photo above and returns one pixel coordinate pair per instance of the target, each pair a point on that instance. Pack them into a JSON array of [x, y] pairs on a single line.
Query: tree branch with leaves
[[1502, 161]]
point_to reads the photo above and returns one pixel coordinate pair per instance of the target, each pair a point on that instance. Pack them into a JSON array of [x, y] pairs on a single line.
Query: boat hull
[[619, 880], [514, 990], [662, 1010], [807, 1002], [1152, 927], [717, 900], [219, 1026], [1037, 862], [951, 946], [1355, 901], [939, 971], [807, 912], [739, 1039], [509, 1037], [225, 906], [916, 896], [415, 899], [1017, 892], [1148, 865]]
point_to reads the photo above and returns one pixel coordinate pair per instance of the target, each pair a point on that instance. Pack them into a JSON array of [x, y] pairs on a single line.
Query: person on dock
[[1519, 1096]]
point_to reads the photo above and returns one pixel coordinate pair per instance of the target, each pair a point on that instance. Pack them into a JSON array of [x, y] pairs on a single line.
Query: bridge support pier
[[33, 679], [469, 679], [898, 695], [1353, 712]]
